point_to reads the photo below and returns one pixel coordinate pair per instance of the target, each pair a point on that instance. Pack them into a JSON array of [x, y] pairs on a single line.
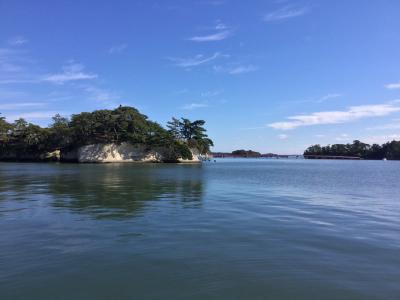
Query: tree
[[174, 128], [192, 133], [392, 150], [5, 128], [59, 133]]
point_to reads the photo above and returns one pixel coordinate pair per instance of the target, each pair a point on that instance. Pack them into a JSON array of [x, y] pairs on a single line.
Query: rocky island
[[119, 135]]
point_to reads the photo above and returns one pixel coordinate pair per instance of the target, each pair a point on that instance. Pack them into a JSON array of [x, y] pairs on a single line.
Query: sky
[[271, 76]]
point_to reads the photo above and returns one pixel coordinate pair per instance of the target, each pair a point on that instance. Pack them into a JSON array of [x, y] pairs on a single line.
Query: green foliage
[[390, 150], [246, 153], [59, 133], [124, 124], [191, 133], [23, 139], [176, 150]]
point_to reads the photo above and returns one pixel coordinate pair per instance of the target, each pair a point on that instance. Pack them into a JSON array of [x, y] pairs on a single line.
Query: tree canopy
[[191, 133], [389, 150], [123, 124], [246, 153]]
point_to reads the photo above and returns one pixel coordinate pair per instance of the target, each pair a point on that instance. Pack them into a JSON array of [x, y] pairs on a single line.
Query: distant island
[[119, 135], [356, 150], [245, 154]]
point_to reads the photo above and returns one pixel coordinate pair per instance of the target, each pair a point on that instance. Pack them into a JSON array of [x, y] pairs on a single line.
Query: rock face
[[124, 152]]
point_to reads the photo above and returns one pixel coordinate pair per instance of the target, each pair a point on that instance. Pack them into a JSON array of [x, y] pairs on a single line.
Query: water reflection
[[110, 191]]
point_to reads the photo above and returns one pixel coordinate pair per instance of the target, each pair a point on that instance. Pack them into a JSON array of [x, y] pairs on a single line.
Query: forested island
[[245, 154], [360, 150], [122, 134]]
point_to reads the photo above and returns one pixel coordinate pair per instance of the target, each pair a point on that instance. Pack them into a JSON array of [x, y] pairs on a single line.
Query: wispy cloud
[[285, 13], [71, 72], [242, 69], [17, 41], [327, 97], [316, 100], [209, 94], [283, 136], [35, 115], [221, 32], [192, 106], [343, 137], [389, 126], [103, 96], [8, 61], [12, 106], [335, 117], [236, 70], [116, 49], [14, 66], [393, 86], [198, 60], [218, 36], [380, 139], [181, 92]]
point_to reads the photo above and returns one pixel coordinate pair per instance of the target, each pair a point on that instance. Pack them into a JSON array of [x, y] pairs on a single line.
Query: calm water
[[235, 229]]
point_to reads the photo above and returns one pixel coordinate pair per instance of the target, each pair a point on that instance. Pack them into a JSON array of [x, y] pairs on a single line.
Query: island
[[246, 154], [357, 150], [119, 135]]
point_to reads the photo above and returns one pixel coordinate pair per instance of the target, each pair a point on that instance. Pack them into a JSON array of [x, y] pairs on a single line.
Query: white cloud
[[380, 139], [390, 126], [181, 92], [242, 69], [335, 117], [221, 26], [35, 115], [14, 65], [343, 137], [221, 32], [317, 100], [283, 136], [327, 97], [71, 72], [218, 36], [194, 61], [285, 13], [103, 96], [235, 70], [393, 86], [17, 41], [116, 49], [210, 94], [193, 106], [12, 106]]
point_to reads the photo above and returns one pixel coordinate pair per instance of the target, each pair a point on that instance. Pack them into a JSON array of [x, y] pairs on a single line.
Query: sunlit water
[[235, 229]]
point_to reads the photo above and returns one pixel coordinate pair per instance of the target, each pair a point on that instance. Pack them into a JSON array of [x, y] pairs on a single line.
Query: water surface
[[235, 229]]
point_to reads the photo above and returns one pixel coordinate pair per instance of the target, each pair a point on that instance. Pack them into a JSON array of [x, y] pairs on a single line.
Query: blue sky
[[273, 76]]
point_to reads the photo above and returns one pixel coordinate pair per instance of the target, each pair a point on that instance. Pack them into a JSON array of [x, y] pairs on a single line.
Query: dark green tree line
[[389, 150]]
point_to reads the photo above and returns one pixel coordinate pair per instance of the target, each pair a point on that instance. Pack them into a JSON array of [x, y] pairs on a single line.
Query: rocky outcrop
[[124, 152]]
